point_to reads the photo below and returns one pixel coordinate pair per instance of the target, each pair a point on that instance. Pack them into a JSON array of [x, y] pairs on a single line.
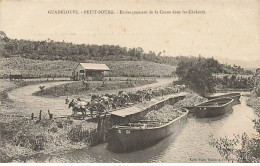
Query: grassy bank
[[254, 102], [78, 88], [22, 137]]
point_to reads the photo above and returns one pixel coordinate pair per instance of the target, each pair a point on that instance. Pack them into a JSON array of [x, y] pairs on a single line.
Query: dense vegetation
[[51, 50], [236, 82], [198, 75]]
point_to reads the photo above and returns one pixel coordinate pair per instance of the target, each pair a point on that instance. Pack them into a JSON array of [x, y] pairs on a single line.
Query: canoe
[[235, 96], [142, 134], [213, 108]]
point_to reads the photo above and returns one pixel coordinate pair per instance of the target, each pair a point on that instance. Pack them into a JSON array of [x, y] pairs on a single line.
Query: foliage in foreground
[[24, 137], [241, 148]]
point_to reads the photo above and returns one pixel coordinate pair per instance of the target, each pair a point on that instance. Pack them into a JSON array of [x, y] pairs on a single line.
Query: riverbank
[[254, 102], [243, 147], [23, 137]]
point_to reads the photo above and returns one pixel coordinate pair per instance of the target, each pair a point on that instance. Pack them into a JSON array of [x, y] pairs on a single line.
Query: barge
[[213, 108], [144, 133], [235, 96]]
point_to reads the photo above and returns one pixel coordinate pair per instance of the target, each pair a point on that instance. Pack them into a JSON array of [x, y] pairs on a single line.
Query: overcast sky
[[228, 30]]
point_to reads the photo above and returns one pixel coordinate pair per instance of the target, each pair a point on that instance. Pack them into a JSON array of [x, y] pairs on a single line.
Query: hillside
[[58, 68], [123, 61]]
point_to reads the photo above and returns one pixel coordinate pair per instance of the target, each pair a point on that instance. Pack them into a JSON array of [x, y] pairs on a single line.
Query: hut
[[95, 71]]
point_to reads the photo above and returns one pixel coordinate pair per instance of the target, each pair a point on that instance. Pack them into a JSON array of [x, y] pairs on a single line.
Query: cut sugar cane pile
[[190, 100], [170, 112], [165, 114]]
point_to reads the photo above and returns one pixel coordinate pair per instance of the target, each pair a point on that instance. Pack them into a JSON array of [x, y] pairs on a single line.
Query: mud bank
[[254, 102]]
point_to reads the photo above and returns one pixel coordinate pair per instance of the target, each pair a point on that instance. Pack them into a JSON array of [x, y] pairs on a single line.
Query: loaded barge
[[213, 108], [141, 129], [144, 133]]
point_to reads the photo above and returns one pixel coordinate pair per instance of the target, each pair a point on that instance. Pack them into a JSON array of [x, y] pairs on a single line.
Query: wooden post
[[50, 115], [32, 116], [40, 115]]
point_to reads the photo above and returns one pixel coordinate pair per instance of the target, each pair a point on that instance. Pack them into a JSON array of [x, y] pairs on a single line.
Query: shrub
[[30, 140], [78, 134]]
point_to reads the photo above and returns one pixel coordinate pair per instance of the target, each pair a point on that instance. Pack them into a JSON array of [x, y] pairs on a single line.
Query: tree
[[197, 76]]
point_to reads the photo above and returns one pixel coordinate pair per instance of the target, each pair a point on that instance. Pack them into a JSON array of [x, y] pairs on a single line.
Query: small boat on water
[[143, 133], [213, 108], [235, 96]]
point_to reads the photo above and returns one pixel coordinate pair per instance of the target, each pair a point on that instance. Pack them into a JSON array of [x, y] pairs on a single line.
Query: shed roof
[[94, 66]]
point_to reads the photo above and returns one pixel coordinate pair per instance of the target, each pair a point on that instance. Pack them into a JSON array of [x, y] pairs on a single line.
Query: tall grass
[[78, 88], [24, 137]]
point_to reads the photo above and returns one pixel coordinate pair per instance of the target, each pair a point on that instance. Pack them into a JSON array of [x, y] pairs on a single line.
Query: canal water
[[191, 144]]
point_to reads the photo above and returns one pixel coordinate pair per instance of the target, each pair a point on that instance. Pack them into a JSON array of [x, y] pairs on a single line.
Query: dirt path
[[25, 102]]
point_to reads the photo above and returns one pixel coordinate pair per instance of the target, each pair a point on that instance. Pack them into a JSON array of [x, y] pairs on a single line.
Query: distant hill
[[245, 64], [251, 69]]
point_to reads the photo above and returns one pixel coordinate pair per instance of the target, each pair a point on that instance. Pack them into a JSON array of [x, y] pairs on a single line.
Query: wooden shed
[[95, 71]]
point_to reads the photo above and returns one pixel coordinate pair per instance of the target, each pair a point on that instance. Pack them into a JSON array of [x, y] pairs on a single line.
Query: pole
[[40, 115]]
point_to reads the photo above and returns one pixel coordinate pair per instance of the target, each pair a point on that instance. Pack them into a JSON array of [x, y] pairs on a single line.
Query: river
[[189, 145]]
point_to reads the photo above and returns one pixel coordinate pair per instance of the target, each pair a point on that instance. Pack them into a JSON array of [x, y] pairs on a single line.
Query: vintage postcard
[[133, 81]]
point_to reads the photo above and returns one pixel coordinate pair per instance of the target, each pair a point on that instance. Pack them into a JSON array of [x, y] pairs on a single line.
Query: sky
[[228, 30]]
